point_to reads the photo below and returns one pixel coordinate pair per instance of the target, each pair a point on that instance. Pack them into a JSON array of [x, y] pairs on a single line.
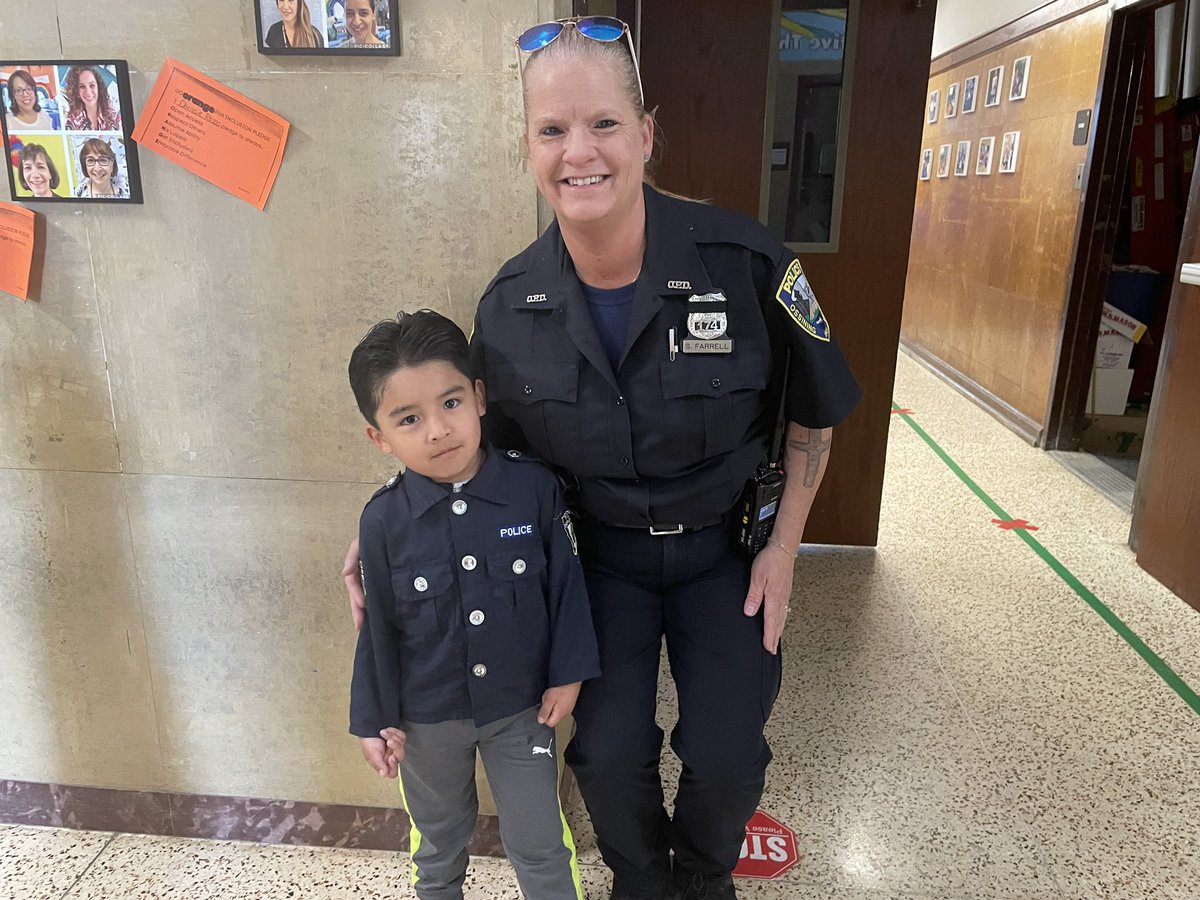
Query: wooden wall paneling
[[990, 254]]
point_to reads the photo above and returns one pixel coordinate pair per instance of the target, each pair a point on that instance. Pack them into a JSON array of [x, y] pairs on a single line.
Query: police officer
[[632, 347]]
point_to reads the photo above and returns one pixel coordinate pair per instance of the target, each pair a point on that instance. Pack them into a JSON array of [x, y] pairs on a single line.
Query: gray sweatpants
[[437, 784]]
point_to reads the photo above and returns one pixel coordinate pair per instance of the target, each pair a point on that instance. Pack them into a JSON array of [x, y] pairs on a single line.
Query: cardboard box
[[1108, 393], [1114, 435]]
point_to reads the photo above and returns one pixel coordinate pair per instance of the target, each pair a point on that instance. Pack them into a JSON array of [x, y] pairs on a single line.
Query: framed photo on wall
[[970, 90], [328, 27], [995, 80], [962, 158], [983, 162], [951, 101], [944, 161], [1020, 79], [932, 115], [1009, 149], [926, 163], [66, 131]]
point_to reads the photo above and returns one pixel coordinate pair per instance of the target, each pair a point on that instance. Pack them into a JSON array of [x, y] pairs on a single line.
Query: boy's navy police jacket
[[475, 599], [672, 436]]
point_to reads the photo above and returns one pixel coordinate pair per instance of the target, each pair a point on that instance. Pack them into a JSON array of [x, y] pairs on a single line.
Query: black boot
[[659, 889], [698, 886]]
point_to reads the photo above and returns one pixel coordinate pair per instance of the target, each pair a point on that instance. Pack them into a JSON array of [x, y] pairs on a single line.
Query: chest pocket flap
[[531, 381], [694, 375]]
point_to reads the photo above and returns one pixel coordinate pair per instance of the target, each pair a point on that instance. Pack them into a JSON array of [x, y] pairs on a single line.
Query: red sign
[[769, 849]]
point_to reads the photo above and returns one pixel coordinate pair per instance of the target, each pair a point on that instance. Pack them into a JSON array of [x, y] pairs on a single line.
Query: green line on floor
[[1156, 662]]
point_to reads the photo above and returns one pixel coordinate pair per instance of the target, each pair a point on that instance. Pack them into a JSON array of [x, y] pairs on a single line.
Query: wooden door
[[1166, 521], [705, 63]]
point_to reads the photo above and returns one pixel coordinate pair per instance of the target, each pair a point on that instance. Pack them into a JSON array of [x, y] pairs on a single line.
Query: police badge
[[707, 323]]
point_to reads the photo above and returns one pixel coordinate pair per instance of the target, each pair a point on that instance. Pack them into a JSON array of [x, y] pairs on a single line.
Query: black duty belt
[[658, 529]]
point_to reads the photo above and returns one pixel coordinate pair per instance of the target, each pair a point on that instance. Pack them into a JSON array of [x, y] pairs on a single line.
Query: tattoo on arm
[[813, 447]]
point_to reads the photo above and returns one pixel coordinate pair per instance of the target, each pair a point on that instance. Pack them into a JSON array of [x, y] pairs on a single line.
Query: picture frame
[[327, 27], [970, 94], [994, 83], [931, 116], [962, 158], [951, 101], [1010, 148], [67, 128], [944, 161], [985, 155], [926, 164], [1020, 79]]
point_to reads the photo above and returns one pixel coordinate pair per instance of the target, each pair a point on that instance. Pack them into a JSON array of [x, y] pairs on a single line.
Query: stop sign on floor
[[769, 849]]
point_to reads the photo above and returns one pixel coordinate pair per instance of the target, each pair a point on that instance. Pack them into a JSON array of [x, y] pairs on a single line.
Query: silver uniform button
[[469, 563], [421, 584], [479, 670], [458, 507], [513, 454], [519, 566], [476, 617]]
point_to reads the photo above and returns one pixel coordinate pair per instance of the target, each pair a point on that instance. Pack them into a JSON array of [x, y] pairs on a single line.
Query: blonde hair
[[570, 44]]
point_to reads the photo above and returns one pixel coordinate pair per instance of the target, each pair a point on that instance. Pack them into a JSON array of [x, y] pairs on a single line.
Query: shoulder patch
[[797, 297]]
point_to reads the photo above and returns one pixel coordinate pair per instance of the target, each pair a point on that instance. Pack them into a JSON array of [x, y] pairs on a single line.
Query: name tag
[[724, 346]]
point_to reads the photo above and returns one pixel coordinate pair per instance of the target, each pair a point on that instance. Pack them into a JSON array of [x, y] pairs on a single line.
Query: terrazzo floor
[[956, 722]]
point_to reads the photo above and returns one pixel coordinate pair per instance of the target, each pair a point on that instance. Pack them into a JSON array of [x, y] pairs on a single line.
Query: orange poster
[[214, 132], [16, 248]]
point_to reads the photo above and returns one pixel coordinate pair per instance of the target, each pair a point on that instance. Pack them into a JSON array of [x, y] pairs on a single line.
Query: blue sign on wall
[[812, 35]]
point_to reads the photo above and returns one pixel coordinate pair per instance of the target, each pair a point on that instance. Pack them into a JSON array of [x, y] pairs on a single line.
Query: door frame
[[1104, 183]]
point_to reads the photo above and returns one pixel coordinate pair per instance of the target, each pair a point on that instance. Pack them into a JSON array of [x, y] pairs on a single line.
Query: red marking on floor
[[902, 412], [1014, 525]]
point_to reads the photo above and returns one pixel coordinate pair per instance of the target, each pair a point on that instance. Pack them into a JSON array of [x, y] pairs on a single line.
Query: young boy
[[477, 631]]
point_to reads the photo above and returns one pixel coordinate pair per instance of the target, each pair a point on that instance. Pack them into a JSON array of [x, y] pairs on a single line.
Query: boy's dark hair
[[408, 340]]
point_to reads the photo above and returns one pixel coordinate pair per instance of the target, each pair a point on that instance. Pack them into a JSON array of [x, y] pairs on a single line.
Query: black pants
[[689, 588]]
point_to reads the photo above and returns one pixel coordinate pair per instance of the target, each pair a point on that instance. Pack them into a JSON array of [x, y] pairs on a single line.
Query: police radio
[[758, 506]]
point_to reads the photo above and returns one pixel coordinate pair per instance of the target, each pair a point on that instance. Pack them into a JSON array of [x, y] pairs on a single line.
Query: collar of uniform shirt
[[488, 484], [671, 256]]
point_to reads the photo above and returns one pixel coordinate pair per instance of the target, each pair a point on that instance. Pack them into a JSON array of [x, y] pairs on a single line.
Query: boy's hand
[[354, 585], [558, 702], [375, 751], [395, 739]]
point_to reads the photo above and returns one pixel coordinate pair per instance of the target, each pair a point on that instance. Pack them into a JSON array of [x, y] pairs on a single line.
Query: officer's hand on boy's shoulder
[[558, 702], [379, 757], [354, 586]]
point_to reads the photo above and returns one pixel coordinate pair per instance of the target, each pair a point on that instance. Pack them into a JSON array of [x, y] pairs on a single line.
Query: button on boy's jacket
[[475, 599]]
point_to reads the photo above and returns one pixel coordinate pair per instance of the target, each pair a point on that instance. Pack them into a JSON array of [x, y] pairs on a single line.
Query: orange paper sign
[[214, 132], [16, 248]]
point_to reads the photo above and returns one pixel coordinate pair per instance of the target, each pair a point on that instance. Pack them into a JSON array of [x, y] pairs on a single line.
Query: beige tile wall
[[181, 462]]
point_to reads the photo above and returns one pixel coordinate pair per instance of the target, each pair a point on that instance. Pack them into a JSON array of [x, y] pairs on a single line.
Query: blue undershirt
[[611, 309]]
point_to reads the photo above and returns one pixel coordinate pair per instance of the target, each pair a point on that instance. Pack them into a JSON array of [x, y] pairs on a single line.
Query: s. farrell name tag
[[719, 346]]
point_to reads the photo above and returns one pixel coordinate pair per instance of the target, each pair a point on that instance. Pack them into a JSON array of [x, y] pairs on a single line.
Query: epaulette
[[391, 483], [518, 456], [713, 225], [518, 265]]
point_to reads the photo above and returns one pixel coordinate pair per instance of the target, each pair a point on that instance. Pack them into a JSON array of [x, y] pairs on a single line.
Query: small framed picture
[[1009, 148], [995, 80], [932, 115], [1020, 79], [926, 163], [962, 158], [944, 161], [66, 131], [328, 27], [951, 101], [970, 89], [983, 162]]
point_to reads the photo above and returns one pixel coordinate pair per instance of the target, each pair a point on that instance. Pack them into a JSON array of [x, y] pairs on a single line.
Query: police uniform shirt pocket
[[540, 395], [418, 587], [721, 397], [517, 564]]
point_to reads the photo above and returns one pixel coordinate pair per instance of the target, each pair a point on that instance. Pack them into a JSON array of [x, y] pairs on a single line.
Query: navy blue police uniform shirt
[[476, 601], [672, 433]]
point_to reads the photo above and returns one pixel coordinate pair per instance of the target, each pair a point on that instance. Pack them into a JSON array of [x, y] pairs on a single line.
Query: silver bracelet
[[780, 544]]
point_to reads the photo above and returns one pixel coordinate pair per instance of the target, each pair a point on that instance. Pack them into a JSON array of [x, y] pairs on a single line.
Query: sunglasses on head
[[602, 29]]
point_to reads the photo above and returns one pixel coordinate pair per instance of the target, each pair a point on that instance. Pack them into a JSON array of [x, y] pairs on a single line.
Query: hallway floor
[[957, 719]]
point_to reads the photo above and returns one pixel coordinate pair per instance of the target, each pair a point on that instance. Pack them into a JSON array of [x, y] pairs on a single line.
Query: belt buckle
[[665, 530]]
